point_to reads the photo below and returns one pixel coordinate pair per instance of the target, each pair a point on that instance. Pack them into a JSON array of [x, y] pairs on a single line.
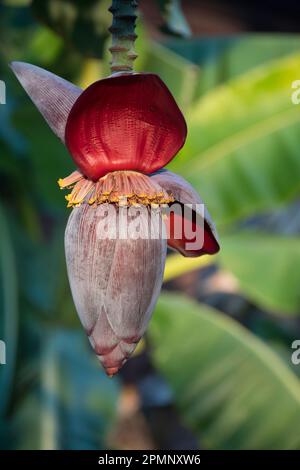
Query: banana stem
[[123, 35]]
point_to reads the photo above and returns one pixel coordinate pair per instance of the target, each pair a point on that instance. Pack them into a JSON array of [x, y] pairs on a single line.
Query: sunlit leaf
[[223, 58], [267, 268], [242, 149]]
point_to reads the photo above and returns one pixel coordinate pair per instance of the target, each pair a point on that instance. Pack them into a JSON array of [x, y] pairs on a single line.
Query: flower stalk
[[123, 35]]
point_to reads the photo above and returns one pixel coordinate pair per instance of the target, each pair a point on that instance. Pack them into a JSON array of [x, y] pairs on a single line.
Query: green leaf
[[82, 23], [44, 47], [16, 3], [242, 152], [222, 58], [43, 291], [231, 389], [73, 404], [48, 156], [180, 75], [267, 268]]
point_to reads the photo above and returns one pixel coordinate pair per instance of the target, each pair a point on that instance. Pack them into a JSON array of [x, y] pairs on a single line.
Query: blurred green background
[[215, 371]]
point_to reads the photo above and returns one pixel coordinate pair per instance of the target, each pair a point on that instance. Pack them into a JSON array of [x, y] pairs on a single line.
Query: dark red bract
[[189, 229], [128, 122]]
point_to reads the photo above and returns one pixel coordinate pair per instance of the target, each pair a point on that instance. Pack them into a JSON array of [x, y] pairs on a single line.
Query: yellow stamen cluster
[[119, 187]]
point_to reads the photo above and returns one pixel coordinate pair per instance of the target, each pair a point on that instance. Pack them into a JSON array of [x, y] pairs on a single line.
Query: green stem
[[123, 35]]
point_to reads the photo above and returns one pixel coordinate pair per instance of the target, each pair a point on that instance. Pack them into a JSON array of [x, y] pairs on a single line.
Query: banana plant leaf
[[267, 269], [84, 24], [72, 404], [231, 389], [242, 149]]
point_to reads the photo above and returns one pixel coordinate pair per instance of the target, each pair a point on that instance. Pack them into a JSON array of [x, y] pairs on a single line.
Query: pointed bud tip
[[111, 371], [17, 66], [13, 64]]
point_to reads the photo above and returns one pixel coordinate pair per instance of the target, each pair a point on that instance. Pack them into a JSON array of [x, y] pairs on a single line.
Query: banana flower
[[126, 208]]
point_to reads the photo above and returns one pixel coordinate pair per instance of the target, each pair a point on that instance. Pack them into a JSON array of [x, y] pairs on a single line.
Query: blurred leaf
[[44, 46], [250, 51], [175, 21], [179, 74], [8, 311], [16, 27], [82, 23], [43, 271], [73, 405], [267, 268], [49, 157], [265, 265], [242, 149], [42, 267], [16, 3], [231, 389], [223, 58], [90, 73], [176, 265], [8, 133]]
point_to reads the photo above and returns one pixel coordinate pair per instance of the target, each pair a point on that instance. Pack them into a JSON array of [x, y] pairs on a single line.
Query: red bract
[[190, 231], [127, 122], [187, 219]]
